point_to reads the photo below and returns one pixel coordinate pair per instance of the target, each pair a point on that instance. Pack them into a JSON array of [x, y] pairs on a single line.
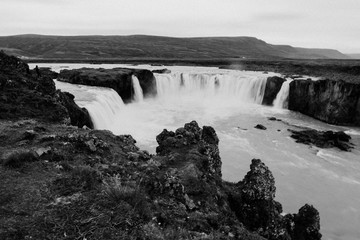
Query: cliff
[[118, 79], [335, 102]]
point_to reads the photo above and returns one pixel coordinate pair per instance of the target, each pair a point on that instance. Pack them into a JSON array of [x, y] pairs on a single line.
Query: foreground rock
[[95, 185], [335, 102], [118, 79], [24, 94], [327, 139], [272, 88]]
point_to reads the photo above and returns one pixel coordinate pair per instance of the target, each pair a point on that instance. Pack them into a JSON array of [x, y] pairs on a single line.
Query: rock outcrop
[[322, 139], [118, 79], [272, 88], [24, 94], [78, 116], [252, 200], [335, 102]]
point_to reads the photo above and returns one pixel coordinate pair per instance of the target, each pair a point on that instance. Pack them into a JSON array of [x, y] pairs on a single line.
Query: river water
[[229, 101]]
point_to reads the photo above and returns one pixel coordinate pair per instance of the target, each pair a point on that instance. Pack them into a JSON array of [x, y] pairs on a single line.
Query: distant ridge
[[143, 46], [354, 55]]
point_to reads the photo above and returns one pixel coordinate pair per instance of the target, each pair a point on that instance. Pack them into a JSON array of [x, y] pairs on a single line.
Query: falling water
[[282, 98], [103, 104], [246, 88], [138, 93]]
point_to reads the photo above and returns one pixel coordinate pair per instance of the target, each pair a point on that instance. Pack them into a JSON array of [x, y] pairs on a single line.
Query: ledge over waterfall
[[119, 79]]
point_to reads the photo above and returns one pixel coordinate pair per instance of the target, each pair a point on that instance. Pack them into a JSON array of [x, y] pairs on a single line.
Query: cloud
[[277, 17]]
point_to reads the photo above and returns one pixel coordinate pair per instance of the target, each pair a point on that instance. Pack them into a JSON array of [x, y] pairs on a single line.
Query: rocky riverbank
[[64, 182]]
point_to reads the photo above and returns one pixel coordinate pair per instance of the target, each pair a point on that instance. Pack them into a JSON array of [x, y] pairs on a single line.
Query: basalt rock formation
[[25, 94], [272, 88], [118, 79], [335, 102], [322, 139]]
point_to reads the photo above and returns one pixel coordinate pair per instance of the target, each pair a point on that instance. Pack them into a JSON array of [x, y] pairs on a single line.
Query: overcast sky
[[301, 23]]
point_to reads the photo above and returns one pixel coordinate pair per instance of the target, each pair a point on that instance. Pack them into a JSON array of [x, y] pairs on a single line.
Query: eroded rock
[[322, 139]]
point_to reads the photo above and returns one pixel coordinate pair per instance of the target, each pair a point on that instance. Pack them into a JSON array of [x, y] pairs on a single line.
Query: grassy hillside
[[142, 46]]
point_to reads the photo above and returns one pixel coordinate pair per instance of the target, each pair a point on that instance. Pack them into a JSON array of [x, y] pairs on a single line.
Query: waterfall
[[247, 88], [282, 98], [138, 93], [103, 104], [210, 91]]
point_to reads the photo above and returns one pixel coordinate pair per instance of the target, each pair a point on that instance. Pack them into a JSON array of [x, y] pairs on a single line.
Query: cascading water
[[282, 98], [103, 104], [138, 93], [246, 88]]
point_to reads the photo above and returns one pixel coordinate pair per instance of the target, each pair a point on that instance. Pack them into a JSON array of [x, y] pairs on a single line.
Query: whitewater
[[230, 101]]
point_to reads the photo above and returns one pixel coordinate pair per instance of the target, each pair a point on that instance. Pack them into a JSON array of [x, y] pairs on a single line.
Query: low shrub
[[116, 190]]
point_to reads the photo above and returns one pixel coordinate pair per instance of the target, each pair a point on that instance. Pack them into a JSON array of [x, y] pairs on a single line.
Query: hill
[[154, 47], [354, 55]]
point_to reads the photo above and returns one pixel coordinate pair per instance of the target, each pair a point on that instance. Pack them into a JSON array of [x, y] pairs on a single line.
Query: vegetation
[[142, 46]]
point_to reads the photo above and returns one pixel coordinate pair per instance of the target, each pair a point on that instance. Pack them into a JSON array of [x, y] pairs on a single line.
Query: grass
[[17, 159], [116, 191], [80, 179]]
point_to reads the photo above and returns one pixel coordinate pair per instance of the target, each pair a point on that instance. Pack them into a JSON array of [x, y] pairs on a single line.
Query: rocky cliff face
[[24, 94], [335, 102], [272, 88], [118, 79]]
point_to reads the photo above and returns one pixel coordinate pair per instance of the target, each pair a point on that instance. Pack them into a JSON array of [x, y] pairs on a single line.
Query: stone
[[261, 127], [42, 151], [91, 145]]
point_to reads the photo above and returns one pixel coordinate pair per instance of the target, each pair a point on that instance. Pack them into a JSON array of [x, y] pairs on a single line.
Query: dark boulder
[[203, 144], [322, 139], [335, 102], [272, 88], [261, 127]]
